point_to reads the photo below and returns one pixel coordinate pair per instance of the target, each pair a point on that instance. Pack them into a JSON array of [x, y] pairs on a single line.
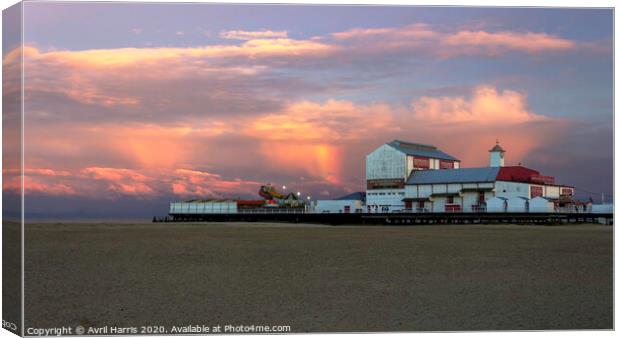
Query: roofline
[[456, 160], [475, 182], [414, 143], [447, 156], [549, 185], [493, 181]]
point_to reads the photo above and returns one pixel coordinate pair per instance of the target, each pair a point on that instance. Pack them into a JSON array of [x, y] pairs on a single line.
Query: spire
[[496, 158], [497, 147]]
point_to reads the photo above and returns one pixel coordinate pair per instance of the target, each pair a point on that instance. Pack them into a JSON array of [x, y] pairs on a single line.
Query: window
[[421, 204], [481, 197], [450, 200], [536, 191]]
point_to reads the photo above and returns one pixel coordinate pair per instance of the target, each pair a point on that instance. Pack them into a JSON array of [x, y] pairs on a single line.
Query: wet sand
[[319, 278]]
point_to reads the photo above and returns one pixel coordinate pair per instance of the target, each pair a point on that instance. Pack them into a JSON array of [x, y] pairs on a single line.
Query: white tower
[[496, 158]]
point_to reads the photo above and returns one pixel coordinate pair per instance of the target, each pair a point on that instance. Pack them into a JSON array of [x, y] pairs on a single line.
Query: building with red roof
[[469, 189]]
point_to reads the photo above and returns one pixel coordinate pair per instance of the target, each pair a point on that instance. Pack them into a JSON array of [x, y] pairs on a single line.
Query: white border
[[482, 3]]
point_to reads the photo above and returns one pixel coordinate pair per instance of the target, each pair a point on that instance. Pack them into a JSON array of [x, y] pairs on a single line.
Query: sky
[[132, 105]]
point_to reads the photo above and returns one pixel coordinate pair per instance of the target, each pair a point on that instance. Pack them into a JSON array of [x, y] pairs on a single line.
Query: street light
[[298, 193], [283, 187]]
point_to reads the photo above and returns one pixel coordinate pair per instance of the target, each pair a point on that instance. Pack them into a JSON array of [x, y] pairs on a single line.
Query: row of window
[[385, 193]]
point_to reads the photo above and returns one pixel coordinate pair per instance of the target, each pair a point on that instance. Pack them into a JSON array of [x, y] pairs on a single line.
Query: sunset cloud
[[38, 181], [147, 111], [419, 31], [250, 35], [114, 174], [481, 117], [220, 120], [428, 39], [305, 138], [36, 172], [333, 120], [320, 161], [493, 43], [198, 183], [108, 183], [121, 181], [34, 185], [122, 57], [485, 106]]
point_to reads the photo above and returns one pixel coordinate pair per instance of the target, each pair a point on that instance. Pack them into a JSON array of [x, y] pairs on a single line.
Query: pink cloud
[[113, 174], [467, 126], [122, 181], [320, 160], [155, 120], [196, 183], [494, 43], [309, 139], [333, 120], [250, 35], [35, 186], [123, 57], [36, 172], [420, 31], [486, 106], [37, 181], [108, 183], [426, 38]]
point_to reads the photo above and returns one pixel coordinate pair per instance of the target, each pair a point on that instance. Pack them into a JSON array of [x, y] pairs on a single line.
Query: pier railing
[[300, 216]]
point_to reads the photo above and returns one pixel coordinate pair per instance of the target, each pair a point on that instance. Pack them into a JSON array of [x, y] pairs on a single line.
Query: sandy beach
[[319, 278]]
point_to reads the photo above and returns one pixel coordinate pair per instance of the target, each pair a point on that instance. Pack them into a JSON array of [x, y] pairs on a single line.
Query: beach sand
[[320, 278]]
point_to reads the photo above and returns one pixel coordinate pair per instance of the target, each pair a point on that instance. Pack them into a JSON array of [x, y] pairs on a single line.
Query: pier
[[298, 216]]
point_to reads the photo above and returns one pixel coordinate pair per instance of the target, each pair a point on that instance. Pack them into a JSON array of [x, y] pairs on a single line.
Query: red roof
[[523, 174], [250, 202]]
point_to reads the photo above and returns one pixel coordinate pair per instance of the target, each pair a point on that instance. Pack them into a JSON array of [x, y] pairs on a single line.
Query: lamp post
[[308, 204]]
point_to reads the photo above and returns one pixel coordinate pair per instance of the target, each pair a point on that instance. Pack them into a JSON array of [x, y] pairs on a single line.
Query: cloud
[[422, 38], [486, 106], [250, 35], [36, 172], [410, 31], [320, 161], [106, 86], [33, 185], [308, 137], [334, 120], [249, 76], [263, 107], [37, 180], [325, 142], [114, 174], [123, 57], [187, 182], [500, 42], [111, 183], [466, 125]]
